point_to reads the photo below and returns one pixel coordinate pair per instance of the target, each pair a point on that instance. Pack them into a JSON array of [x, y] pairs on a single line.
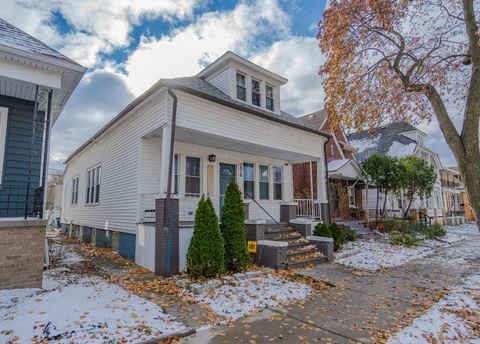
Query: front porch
[[204, 164]]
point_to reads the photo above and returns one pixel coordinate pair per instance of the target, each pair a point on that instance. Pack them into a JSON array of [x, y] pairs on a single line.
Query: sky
[[128, 45]]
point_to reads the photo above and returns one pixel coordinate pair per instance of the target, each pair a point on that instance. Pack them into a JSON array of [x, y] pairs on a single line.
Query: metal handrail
[[425, 216], [266, 212]]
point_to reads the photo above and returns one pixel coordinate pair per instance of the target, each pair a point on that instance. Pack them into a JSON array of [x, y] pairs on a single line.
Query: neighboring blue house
[[35, 83]]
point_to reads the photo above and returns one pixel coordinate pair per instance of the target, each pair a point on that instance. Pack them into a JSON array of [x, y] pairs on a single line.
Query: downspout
[[46, 153], [166, 217], [327, 179]]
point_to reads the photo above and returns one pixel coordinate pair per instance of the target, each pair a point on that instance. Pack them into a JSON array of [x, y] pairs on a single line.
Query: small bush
[[340, 235], [205, 257], [323, 230], [408, 240], [393, 225], [433, 232]]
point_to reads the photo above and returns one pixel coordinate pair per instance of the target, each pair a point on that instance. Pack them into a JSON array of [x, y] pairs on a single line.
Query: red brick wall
[[301, 180]]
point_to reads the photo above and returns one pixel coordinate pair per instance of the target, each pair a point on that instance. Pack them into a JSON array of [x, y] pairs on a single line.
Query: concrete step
[[302, 263], [290, 237], [298, 251], [278, 231]]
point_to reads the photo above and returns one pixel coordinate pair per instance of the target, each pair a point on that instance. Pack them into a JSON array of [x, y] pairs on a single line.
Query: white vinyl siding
[[3, 137], [120, 152], [221, 81]]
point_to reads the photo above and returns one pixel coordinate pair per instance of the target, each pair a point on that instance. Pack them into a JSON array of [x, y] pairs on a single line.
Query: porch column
[[288, 183], [322, 185], [164, 159]]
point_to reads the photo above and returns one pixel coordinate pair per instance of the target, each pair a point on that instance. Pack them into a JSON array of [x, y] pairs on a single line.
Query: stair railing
[[266, 212], [425, 219]]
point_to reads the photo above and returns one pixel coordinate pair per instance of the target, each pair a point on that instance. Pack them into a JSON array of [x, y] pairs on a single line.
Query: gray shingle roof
[[381, 140], [13, 37], [315, 119]]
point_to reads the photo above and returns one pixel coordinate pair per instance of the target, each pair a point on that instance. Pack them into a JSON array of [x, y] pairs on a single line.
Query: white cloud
[[298, 59], [185, 50], [97, 25]]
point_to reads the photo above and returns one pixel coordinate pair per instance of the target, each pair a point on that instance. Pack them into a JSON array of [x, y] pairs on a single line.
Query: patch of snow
[[81, 310], [365, 143], [443, 322], [400, 150], [375, 255], [67, 254], [445, 241], [466, 228], [252, 295]]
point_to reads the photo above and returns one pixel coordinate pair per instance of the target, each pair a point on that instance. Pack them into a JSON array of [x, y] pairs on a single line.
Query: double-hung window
[[3, 136], [93, 185], [255, 92], [192, 177], [241, 87], [277, 182], [75, 190], [269, 100], [263, 182], [248, 181]]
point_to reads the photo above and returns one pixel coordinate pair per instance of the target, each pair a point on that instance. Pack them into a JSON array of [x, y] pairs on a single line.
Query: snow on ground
[[466, 228], [252, 295], [73, 308], [449, 239], [375, 255], [65, 253], [450, 320]]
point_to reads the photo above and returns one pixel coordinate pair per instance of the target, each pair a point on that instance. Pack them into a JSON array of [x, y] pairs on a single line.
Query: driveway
[[359, 305]]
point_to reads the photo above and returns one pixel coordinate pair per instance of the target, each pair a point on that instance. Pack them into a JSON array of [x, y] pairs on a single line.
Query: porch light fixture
[[211, 158]]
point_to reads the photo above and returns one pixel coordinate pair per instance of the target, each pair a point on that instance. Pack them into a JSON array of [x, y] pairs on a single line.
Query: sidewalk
[[360, 305]]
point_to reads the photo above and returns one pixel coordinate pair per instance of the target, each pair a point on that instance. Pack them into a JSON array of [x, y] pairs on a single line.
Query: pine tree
[[205, 255], [233, 229]]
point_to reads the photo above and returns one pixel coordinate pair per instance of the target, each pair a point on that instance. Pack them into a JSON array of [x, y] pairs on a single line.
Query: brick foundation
[[22, 249]]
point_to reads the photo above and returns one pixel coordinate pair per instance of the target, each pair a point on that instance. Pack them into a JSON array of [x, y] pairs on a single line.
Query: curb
[[179, 334]]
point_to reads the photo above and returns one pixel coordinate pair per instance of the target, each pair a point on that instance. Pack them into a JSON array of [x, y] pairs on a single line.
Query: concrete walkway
[[358, 305]]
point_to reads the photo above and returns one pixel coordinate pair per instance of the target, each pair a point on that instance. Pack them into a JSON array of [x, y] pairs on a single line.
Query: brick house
[[345, 175]]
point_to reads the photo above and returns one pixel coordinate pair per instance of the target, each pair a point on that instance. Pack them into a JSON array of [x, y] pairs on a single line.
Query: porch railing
[[307, 208], [20, 201]]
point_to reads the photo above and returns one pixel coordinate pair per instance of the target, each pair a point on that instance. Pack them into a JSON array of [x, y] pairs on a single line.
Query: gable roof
[[13, 37], [199, 87], [386, 140]]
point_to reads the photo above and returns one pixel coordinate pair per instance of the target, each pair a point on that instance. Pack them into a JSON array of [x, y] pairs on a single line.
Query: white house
[[399, 140], [228, 124]]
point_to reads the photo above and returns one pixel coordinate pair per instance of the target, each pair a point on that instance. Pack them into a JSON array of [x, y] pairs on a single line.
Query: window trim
[[274, 183], [237, 85], [260, 182], [75, 190], [253, 180], [267, 86], [200, 177], [3, 133], [93, 193]]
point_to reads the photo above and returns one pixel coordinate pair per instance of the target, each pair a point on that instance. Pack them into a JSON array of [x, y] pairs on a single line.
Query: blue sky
[[128, 45]]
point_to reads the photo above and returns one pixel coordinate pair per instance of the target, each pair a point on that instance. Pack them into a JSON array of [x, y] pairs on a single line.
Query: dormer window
[[241, 87], [269, 98], [255, 92]]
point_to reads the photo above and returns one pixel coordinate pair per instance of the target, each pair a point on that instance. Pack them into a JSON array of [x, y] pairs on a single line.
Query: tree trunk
[[405, 214], [470, 173], [376, 212]]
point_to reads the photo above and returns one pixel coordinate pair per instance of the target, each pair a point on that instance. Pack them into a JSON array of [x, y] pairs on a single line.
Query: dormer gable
[[416, 135], [245, 81]]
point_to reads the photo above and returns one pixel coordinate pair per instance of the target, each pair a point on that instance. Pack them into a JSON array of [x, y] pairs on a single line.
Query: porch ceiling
[[209, 140]]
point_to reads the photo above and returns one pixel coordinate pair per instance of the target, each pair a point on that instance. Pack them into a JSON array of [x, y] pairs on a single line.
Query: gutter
[[327, 179]]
